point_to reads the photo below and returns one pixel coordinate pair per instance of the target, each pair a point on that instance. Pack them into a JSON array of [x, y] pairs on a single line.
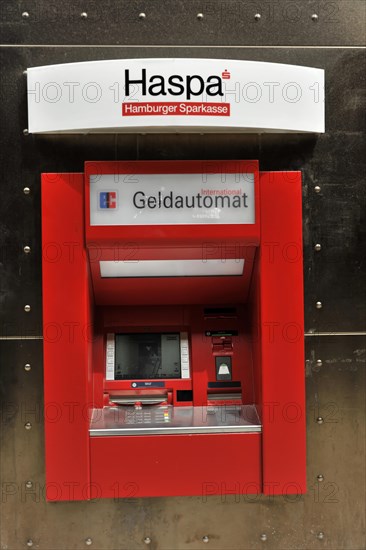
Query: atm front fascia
[[173, 330]]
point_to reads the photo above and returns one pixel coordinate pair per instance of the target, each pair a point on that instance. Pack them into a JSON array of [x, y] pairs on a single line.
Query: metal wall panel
[[335, 161], [181, 22], [333, 506], [331, 515]]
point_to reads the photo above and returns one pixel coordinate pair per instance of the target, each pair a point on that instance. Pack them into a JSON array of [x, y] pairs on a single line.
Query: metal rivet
[[25, 15], [84, 15], [29, 484], [205, 539], [28, 426], [317, 189], [142, 15], [27, 367], [26, 190], [320, 477], [317, 247], [27, 249], [320, 420], [315, 17], [200, 16], [263, 537], [318, 305], [88, 542], [257, 16], [27, 308], [319, 363], [25, 72], [147, 540], [320, 535], [29, 542], [25, 132]]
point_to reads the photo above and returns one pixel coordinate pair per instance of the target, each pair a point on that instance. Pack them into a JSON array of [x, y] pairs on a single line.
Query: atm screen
[[147, 356]]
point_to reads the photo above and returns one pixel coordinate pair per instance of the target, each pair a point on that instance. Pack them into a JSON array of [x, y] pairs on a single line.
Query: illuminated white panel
[[172, 268], [172, 199], [250, 96]]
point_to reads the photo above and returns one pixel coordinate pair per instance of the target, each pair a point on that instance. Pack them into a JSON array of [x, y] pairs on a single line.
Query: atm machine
[[173, 330]]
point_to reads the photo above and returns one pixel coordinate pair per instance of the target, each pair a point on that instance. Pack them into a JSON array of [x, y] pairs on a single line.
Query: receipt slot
[[173, 330]]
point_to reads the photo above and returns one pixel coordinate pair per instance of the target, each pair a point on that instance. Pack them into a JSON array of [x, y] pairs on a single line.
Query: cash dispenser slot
[[224, 399]]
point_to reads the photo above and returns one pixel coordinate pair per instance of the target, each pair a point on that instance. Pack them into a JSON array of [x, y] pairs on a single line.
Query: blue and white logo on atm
[[107, 200]]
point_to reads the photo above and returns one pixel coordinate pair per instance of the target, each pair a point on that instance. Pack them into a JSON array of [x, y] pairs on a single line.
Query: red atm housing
[[160, 382]]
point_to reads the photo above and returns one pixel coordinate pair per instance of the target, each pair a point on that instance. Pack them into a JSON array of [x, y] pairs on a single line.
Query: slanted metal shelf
[[166, 419]]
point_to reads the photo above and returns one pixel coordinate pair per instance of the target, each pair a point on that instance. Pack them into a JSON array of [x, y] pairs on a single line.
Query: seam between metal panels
[[172, 46], [360, 333], [21, 338]]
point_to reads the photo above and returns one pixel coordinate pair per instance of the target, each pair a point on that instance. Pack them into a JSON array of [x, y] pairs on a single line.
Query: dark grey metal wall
[[329, 35]]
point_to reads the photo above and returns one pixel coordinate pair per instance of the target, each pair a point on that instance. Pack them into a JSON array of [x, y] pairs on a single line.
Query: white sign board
[[172, 199], [175, 95]]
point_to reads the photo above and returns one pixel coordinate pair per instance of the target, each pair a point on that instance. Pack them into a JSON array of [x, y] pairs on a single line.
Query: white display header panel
[[175, 95], [172, 199]]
